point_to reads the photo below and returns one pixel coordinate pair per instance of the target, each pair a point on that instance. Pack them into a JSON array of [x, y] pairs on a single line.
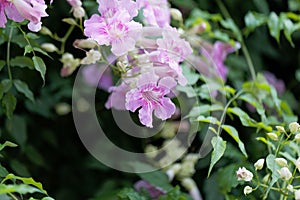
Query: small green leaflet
[[9, 103], [40, 66]]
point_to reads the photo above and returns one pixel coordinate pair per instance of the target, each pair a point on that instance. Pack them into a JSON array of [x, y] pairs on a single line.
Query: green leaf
[[23, 88], [28, 181], [244, 117], [231, 181], [21, 189], [3, 172], [9, 103], [274, 26], [22, 61], [254, 20], [208, 119], [249, 98], [41, 51], [274, 167], [17, 128], [219, 146], [157, 178], [129, 194], [7, 144], [32, 36], [6, 84], [229, 24], [28, 49], [2, 64], [40, 66], [234, 134]]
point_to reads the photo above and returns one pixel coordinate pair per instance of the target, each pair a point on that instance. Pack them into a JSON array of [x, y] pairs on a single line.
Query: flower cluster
[[148, 57], [18, 10], [283, 169]]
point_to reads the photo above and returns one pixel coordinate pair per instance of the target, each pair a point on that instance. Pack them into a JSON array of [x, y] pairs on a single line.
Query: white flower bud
[[85, 43], [69, 64], [247, 190], [266, 179], [244, 174], [297, 163], [173, 170], [62, 108], [294, 126], [290, 188], [45, 31], [191, 157], [176, 14], [259, 164], [188, 183], [49, 47], [272, 136], [281, 162], [280, 128], [78, 12], [151, 151], [297, 194], [297, 137], [92, 57], [285, 173]]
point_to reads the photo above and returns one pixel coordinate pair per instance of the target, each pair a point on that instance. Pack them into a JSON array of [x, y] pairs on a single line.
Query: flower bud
[[45, 31], [290, 188], [272, 136], [176, 14], [151, 151], [266, 179], [173, 170], [297, 137], [85, 43], [280, 128], [297, 194], [49, 47], [247, 190], [259, 164], [78, 12], [297, 163], [294, 126], [281, 162], [188, 183], [62, 108], [92, 57], [285, 173], [244, 174]]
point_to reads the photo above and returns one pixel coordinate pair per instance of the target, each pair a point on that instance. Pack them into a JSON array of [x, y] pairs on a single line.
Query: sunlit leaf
[[219, 146], [40, 66], [23, 88]]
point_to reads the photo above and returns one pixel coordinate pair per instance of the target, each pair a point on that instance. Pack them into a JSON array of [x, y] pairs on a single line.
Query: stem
[[26, 38], [64, 39], [8, 55], [244, 47], [225, 109], [13, 196]]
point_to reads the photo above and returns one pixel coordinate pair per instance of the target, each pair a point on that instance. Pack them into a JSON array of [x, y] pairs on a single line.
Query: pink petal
[[145, 115], [166, 110]]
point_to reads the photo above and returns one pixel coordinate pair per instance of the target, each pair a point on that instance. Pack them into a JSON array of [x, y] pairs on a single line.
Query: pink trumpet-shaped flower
[[18, 10], [118, 31], [150, 96]]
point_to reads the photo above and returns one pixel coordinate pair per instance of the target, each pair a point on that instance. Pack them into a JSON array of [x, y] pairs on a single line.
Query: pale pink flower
[[171, 51], [118, 31], [117, 97], [77, 9], [215, 56], [244, 174], [108, 8], [32, 10], [156, 12], [150, 96]]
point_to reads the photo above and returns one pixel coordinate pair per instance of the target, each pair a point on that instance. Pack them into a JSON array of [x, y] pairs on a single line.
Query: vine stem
[[225, 110], [243, 44], [8, 54]]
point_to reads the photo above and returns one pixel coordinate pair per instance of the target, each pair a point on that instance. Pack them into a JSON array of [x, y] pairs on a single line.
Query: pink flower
[[150, 96], [171, 51], [108, 8], [244, 174], [18, 10], [118, 31], [117, 97], [277, 83], [216, 56], [156, 12]]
